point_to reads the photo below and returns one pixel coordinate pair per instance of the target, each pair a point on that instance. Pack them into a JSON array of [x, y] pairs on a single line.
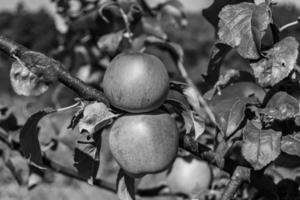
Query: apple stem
[[239, 175]]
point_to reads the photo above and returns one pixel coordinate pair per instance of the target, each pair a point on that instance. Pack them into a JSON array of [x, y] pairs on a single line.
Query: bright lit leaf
[[260, 147], [277, 63], [243, 26]]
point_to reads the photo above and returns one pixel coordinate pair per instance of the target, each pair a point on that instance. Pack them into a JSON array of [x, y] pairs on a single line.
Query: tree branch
[[51, 69]]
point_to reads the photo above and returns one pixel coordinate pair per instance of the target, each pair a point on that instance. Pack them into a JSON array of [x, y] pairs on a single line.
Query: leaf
[[29, 138], [110, 42], [242, 26], [290, 144], [193, 123], [175, 9], [229, 114], [8, 120], [125, 186], [95, 116], [25, 82], [86, 157], [41, 65], [211, 13], [218, 53], [277, 63], [281, 106], [153, 28], [260, 147]]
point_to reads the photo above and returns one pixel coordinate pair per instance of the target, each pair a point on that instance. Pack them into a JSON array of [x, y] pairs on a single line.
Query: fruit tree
[[138, 115]]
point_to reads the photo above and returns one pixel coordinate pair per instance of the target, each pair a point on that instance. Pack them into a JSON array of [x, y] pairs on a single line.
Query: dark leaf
[[243, 25], [125, 186], [277, 63], [193, 124], [281, 106], [8, 120], [86, 155], [212, 12], [29, 138], [217, 54], [290, 144], [260, 147], [75, 119]]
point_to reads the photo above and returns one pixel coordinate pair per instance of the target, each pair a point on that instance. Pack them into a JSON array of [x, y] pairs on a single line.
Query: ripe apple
[[144, 143], [189, 176], [136, 82]]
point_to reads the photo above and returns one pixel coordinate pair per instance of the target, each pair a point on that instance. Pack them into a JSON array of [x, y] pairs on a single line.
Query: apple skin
[[136, 82], [144, 143], [189, 176]]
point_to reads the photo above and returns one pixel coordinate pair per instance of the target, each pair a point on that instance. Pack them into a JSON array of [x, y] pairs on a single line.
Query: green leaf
[[277, 63], [260, 147], [86, 157], [217, 55], [29, 138], [243, 25], [212, 12], [281, 106], [229, 114], [290, 144], [125, 186], [95, 116]]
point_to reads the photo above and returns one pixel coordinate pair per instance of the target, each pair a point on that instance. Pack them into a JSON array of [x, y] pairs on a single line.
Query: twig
[[239, 175], [202, 101], [289, 25]]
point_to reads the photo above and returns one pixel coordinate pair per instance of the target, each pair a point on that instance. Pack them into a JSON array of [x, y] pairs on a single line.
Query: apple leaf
[[290, 144], [29, 138], [125, 186], [260, 147], [243, 25], [86, 157], [281, 106], [218, 53], [229, 114], [25, 82], [151, 27], [211, 13], [110, 42], [193, 123], [8, 120], [96, 115], [277, 63]]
